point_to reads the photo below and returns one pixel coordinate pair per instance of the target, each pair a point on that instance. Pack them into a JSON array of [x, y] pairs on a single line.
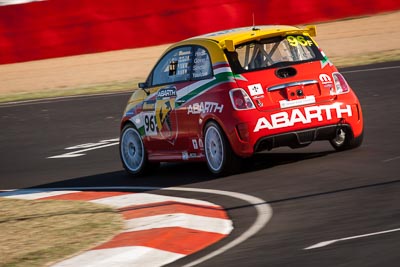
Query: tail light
[[240, 99], [341, 85]]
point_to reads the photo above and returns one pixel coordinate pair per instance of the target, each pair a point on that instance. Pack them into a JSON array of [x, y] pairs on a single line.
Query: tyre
[[220, 158], [345, 140], [132, 151]]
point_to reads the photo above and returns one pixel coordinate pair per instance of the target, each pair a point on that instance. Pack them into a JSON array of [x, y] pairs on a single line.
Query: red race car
[[224, 96]]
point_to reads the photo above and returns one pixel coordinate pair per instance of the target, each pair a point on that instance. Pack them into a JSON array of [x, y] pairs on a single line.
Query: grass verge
[[366, 59], [38, 233], [57, 92], [128, 86]]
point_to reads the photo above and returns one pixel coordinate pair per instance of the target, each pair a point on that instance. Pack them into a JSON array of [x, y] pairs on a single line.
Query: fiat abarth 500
[[225, 96]]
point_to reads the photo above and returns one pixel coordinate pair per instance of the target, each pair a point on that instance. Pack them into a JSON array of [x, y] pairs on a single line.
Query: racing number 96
[[298, 40], [150, 124]]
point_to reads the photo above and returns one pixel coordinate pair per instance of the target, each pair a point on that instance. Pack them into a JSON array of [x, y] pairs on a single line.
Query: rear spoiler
[[309, 29]]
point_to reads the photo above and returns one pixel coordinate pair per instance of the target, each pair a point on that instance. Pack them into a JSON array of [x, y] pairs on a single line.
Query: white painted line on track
[[372, 69], [31, 195], [144, 198], [327, 243], [391, 159], [200, 223], [78, 153], [51, 100], [264, 212]]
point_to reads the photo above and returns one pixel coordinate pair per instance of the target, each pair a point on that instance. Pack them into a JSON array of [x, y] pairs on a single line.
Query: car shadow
[[264, 161], [179, 174]]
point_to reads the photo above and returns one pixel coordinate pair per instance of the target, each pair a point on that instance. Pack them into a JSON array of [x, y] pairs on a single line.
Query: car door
[[171, 112], [160, 108]]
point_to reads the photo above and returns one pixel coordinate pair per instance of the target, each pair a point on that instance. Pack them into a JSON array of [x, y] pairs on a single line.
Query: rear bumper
[[300, 138], [295, 127]]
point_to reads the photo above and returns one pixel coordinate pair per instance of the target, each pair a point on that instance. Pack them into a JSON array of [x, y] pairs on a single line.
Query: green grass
[[38, 233]]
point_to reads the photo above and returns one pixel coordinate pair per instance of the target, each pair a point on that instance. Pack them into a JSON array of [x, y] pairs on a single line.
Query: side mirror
[[142, 85]]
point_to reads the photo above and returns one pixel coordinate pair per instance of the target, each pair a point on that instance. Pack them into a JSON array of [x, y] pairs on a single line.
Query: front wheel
[[132, 151], [220, 158], [345, 140]]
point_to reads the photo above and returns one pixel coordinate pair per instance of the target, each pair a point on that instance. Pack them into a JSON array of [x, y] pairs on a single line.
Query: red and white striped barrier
[[158, 229], [57, 28]]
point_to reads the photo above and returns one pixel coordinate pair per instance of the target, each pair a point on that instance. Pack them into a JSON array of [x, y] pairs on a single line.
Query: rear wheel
[[132, 151], [220, 158], [345, 140]]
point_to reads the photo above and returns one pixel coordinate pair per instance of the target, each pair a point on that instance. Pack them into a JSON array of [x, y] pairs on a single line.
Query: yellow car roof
[[229, 38]]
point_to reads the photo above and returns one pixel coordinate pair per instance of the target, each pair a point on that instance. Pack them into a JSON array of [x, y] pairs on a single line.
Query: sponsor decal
[[255, 89], [158, 116], [202, 65], [150, 124], [196, 156], [187, 156], [259, 103], [164, 108], [176, 98], [309, 115], [166, 93], [205, 107], [195, 145], [201, 143], [298, 102], [298, 40], [326, 80]]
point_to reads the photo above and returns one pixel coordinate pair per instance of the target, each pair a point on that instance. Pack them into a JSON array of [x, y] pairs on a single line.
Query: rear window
[[273, 52]]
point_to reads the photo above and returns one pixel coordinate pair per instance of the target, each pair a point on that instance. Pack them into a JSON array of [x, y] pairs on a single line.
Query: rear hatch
[[307, 86], [283, 72]]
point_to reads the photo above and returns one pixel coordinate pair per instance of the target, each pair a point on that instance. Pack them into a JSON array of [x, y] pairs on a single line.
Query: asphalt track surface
[[316, 194]]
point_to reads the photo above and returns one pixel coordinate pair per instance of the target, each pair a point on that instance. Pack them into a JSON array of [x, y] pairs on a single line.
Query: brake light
[[341, 85], [240, 99]]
